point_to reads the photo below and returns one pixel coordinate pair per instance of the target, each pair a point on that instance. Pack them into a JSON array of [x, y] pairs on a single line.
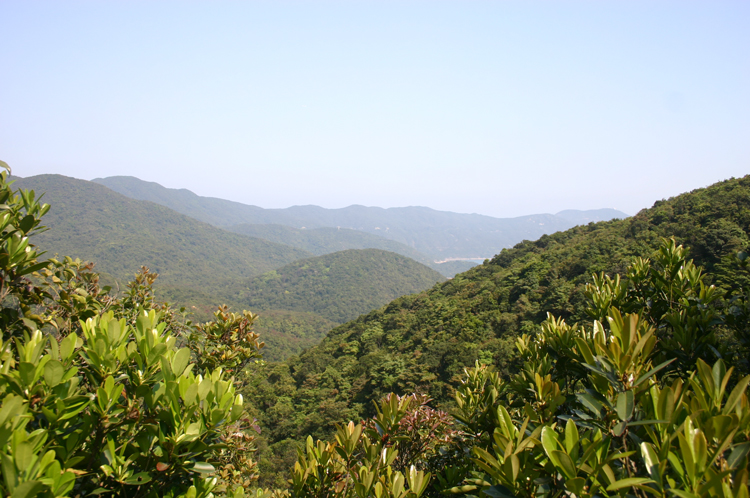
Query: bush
[[101, 394]]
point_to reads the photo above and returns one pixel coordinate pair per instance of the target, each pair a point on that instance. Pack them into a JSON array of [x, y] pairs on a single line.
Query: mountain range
[[440, 235], [305, 280]]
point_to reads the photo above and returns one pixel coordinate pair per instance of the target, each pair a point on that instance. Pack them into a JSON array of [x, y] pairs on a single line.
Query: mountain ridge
[[438, 234]]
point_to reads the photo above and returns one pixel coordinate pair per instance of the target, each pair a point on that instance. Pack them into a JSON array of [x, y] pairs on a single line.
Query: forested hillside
[[197, 263], [300, 302], [423, 342], [338, 286], [438, 234], [286, 332], [201, 266]]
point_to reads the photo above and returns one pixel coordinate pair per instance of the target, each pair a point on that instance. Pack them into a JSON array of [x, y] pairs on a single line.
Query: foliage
[[381, 457], [96, 394], [596, 411], [624, 429]]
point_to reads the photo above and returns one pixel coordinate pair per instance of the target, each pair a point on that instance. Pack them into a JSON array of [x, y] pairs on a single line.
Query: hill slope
[[339, 286], [438, 234], [422, 342], [326, 240], [196, 261]]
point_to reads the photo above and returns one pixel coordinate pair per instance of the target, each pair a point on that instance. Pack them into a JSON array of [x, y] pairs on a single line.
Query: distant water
[[476, 261]]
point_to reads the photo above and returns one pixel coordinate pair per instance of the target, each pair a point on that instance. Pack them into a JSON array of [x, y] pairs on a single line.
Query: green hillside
[[438, 234], [289, 332], [201, 266], [339, 286], [326, 240], [197, 263], [422, 342]]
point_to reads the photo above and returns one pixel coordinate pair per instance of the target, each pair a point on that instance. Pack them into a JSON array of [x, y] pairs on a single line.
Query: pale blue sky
[[499, 108]]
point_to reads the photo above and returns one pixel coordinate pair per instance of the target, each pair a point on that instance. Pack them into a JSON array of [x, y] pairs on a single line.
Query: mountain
[[339, 286], [438, 234], [217, 212], [197, 262], [202, 266], [422, 342], [326, 240]]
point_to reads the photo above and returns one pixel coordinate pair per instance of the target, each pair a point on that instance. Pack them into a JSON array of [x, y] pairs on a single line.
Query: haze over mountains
[[440, 235]]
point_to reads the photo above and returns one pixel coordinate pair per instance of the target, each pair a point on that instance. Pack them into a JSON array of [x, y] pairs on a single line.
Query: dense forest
[[305, 299], [339, 286], [607, 360], [423, 342]]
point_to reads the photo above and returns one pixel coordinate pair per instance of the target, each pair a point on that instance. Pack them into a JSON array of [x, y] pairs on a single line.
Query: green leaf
[[33, 268], [23, 455], [651, 372], [191, 394], [590, 401], [67, 346], [53, 372], [738, 453], [619, 428], [28, 489], [27, 371], [138, 479], [628, 483], [575, 485], [205, 387], [203, 467], [651, 459], [565, 464], [735, 396], [683, 494], [647, 422], [625, 405], [180, 361], [571, 437], [550, 442], [498, 491]]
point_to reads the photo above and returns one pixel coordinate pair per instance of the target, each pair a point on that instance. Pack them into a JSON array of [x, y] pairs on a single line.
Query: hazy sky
[[499, 108]]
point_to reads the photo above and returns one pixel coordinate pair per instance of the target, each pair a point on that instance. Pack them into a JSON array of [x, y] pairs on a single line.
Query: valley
[[352, 333]]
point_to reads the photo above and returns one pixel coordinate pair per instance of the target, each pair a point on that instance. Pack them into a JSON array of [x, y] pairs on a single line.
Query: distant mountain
[[326, 240], [438, 234], [591, 216], [217, 212], [339, 286], [196, 262]]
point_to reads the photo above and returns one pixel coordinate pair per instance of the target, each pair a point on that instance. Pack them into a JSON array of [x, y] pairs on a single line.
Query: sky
[[502, 108]]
